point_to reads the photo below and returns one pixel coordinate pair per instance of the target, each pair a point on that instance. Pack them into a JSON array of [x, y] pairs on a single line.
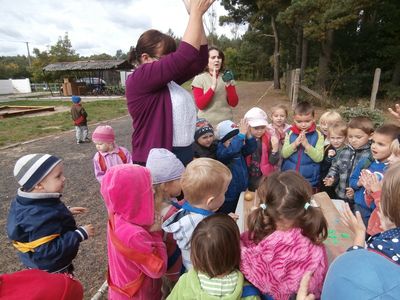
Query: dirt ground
[[82, 189]]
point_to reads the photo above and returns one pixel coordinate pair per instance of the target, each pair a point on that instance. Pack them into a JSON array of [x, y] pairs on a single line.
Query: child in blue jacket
[[376, 163], [233, 146], [303, 149], [41, 227]]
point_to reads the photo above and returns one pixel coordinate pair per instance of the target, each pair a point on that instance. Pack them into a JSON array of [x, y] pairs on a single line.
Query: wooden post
[[296, 85], [290, 84], [375, 86]]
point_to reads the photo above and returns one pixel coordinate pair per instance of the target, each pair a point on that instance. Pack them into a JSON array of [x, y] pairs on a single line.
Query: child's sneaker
[[79, 142]]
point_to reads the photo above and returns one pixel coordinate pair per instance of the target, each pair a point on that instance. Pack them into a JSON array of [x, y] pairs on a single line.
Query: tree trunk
[[396, 74], [324, 61], [304, 57], [299, 42], [277, 84]]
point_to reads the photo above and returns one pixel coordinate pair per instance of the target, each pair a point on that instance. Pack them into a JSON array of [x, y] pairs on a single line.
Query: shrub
[[375, 115]]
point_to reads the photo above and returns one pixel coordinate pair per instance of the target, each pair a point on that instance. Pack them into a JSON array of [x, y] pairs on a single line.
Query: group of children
[[159, 247]]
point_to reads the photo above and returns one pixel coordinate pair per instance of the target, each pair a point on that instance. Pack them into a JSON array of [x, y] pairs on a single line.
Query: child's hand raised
[[349, 193], [354, 223], [157, 223], [328, 181], [274, 143], [244, 127], [331, 153], [89, 229], [78, 210], [234, 216]]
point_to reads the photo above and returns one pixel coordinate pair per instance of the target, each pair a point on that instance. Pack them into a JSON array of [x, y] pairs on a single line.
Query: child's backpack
[[102, 161]]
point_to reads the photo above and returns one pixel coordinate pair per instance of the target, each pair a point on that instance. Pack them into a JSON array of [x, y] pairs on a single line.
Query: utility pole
[[29, 55]]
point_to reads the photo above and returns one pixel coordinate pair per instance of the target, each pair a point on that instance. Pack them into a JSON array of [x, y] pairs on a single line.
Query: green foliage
[[375, 115], [391, 91], [15, 67]]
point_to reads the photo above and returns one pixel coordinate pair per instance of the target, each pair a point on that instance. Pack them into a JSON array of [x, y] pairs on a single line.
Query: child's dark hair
[[304, 108], [390, 130], [283, 197], [363, 123], [150, 42], [215, 246]]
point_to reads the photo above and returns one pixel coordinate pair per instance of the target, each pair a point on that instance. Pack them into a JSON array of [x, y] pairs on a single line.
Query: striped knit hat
[[32, 168]]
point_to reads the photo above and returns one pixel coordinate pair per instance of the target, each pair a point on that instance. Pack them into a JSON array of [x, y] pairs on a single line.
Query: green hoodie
[[188, 287]]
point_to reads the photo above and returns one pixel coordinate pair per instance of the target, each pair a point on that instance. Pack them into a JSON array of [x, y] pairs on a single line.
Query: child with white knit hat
[[166, 170], [41, 227], [108, 152]]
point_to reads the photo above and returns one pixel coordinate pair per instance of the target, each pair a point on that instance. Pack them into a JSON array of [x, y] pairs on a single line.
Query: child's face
[[303, 122], [357, 138], [392, 159], [54, 181], [104, 147], [206, 140], [323, 126], [278, 117], [380, 147], [173, 188], [336, 140], [258, 131]]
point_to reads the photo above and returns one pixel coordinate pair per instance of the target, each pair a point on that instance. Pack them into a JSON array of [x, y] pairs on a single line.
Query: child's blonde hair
[[286, 196], [339, 128], [204, 177], [390, 196], [395, 146], [330, 117], [279, 106]]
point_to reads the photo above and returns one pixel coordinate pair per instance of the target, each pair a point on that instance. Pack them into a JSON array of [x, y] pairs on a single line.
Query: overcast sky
[[93, 26]]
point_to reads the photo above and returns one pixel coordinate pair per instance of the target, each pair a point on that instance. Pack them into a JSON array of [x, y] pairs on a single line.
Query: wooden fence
[[293, 85]]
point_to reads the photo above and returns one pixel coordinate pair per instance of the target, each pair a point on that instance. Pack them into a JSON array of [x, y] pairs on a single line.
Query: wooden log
[[311, 92]]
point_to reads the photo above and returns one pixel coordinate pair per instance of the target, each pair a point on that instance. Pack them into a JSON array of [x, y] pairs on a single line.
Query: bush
[[375, 115]]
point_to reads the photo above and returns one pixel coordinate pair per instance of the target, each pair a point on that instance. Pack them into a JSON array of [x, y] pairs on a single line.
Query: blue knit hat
[[32, 168], [76, 99]]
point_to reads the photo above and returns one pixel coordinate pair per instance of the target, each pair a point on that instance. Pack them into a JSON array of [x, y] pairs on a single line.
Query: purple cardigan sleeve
[[178, 66]]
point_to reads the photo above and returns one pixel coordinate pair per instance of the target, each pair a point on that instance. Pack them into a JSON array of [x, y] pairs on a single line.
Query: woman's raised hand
[[200, 6]]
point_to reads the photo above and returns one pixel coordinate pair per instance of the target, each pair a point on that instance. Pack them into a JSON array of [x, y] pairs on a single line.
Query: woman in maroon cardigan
[[163, 113]]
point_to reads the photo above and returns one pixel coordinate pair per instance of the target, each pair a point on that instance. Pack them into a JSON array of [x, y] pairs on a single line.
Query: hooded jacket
[[127, 192]]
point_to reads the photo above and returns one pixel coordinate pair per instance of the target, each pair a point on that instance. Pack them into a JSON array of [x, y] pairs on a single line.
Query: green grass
[[19, 129]]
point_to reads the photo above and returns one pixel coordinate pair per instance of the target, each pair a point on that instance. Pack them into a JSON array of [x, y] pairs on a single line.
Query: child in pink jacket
[[285, 238], [263, 161], [137, 256]]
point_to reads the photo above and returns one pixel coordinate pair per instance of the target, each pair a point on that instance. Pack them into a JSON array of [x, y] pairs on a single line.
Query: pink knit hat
[[103, 134]]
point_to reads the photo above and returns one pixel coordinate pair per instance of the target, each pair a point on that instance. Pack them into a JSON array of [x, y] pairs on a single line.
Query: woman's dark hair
[[221, 54], [151, 42], [215, 246], [285, 195]]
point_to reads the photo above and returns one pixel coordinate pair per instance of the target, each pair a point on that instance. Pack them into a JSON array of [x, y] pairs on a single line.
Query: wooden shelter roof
[[89, 65]]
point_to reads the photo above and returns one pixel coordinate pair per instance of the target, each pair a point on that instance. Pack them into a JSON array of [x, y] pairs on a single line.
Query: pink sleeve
[[97, 170], [150, 242]]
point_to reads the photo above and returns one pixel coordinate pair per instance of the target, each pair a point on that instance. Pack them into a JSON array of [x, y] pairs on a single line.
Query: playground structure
[[8, 111]]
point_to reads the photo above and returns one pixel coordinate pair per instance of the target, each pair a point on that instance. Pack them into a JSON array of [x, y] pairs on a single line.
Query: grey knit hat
[[32, 168], [164, 165]]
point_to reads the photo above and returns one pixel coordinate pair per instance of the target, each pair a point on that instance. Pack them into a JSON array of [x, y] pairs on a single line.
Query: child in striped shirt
[[215, 255]]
